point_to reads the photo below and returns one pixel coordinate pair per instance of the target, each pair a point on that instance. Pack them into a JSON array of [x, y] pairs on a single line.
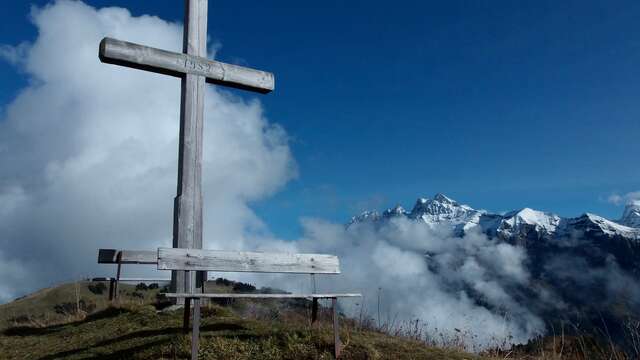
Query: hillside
[[46, 325]]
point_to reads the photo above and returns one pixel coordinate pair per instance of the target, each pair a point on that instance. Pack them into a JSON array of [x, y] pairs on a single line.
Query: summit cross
[[194, 69]]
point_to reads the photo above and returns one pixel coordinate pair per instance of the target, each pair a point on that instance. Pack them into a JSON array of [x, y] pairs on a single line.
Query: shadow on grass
[[150, 333], [31, 330], [120, 354]]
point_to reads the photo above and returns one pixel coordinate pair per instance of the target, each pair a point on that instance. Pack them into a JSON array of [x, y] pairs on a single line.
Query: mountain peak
[[529, 217], [443, 198], [442, 209], [395, 211], [631, 214]]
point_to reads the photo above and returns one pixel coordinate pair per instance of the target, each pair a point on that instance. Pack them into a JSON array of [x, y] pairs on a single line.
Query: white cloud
[[89, 151], [431, 275], [628, 198]]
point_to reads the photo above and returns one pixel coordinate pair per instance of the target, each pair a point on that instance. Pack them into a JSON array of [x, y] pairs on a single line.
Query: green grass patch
[[46, 325]]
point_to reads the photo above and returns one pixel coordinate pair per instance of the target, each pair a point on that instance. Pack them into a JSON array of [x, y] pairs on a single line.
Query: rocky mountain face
[[590, 265]]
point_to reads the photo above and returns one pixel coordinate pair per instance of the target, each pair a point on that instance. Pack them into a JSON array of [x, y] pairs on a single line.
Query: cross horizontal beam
[[142, 57]]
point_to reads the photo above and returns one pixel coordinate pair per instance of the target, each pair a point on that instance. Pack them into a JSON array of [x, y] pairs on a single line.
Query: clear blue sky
[[498, 104]]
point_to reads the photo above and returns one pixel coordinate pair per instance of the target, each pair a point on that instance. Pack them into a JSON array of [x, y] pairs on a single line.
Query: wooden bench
[[122, 257], [259, 262]]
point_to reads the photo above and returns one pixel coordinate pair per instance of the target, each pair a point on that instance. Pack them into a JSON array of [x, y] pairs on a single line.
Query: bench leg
[[186, 315], [314, 311], [195, 334], [336, 328], [115, 288], [111, 287]]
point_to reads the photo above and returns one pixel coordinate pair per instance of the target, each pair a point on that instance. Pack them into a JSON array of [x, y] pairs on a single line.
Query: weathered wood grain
[[110, 256], [245, 261], [187, 208], [147, 58], [260, 296]]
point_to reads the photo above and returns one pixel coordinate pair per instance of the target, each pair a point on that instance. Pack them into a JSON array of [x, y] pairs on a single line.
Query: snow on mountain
[[443, 210], [365, 216], [395, 211], [611, 228], [631, 215], [515, 222], [524, 223]]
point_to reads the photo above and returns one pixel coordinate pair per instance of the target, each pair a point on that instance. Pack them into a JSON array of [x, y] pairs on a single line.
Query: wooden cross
[[194, 69]]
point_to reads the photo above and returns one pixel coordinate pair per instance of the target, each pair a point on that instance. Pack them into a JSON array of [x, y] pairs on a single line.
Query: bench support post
[[115, 288], [195, 335], [314, 311], [111, 287], [336, 328], [186, 315]]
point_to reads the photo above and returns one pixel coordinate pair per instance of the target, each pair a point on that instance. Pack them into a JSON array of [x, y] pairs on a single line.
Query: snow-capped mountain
[[581, 270], [519, 225], [631, 215]]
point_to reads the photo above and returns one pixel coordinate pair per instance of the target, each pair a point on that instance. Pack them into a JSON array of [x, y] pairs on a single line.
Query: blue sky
[[497, 104]]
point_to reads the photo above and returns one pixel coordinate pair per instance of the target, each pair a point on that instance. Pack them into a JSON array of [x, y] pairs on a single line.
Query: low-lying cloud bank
[[430, 275]]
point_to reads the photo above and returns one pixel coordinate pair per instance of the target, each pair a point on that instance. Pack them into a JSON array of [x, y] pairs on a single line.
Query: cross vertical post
[[187, 212]]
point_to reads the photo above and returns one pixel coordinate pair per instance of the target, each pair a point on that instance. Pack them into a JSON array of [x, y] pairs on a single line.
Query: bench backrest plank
[[245, 261], [110, 256]]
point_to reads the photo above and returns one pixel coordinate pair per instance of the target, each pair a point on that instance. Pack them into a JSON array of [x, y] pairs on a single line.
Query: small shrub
[[137, 294], [70, 308], [215, 311], [98, 288], [242, 287], [142, 287], [223, 282], [153, 286]]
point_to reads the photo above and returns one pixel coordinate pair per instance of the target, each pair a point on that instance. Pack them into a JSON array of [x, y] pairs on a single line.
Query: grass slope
[[136, 330]]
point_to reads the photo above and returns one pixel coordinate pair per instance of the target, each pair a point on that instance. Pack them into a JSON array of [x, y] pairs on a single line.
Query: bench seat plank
[[260, 296], [246, 261]]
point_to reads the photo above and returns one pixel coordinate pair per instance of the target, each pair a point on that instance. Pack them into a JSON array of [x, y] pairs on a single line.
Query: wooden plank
[[260, 296], [245, 261], [110, 256], [142, 57]]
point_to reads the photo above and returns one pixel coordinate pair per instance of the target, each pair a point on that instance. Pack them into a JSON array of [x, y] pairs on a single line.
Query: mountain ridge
[[580, 270], [526, 222]]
